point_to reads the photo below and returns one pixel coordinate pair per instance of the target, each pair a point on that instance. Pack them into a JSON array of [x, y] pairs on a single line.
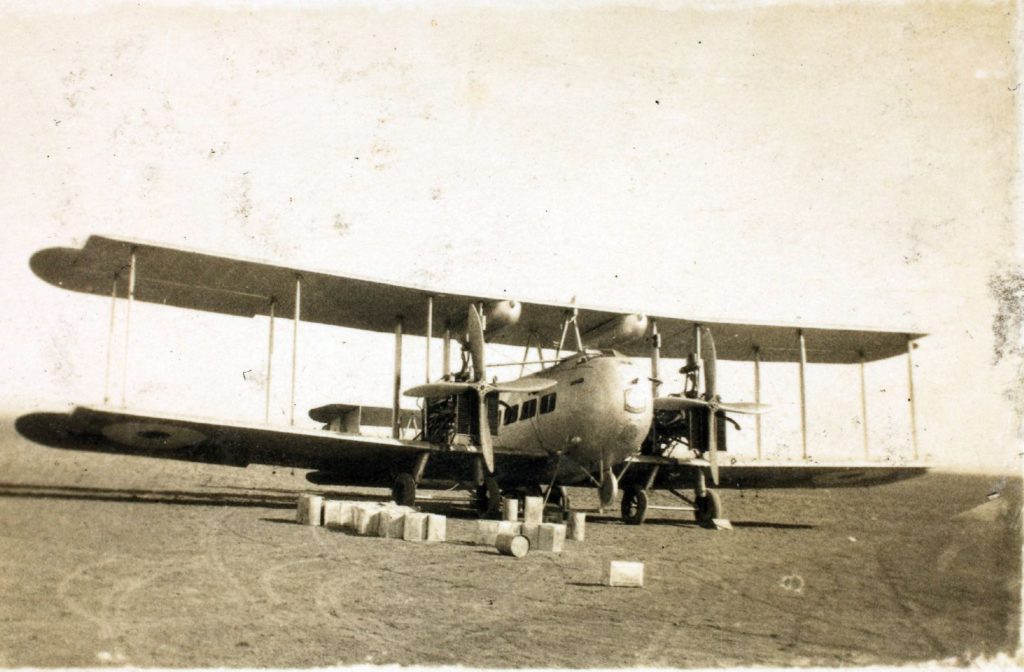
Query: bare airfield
[[111, 560]]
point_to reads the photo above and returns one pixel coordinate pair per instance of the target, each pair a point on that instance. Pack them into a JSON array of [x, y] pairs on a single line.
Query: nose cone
[[615, 414], [637, 411]]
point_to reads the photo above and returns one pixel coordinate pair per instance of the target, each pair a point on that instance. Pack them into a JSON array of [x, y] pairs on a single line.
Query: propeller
[[479, 385], [684, 403], [711, 396], [475, 335], [486, 445], [711, 403], [447, 389], [710, 367]]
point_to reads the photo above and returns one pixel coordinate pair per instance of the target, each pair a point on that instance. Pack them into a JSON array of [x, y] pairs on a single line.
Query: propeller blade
[[475, 329], [484, 428], [710, 367], [745, 408], [436, 390], [713, 445], [678, 403], [447, 389], [524, 385]]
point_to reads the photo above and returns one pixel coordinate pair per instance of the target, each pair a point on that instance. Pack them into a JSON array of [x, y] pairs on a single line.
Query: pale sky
[[842, 163]]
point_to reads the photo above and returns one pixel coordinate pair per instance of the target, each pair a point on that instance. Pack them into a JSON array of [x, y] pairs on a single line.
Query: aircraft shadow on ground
[[127, 495], [270, 499], [682, 522]]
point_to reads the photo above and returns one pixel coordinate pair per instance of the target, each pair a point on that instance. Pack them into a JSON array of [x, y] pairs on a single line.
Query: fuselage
[[597, 415]]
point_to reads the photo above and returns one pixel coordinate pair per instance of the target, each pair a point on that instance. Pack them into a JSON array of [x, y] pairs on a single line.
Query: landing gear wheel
[[709, 507], [404, 490], [634, 506], [488, 498]]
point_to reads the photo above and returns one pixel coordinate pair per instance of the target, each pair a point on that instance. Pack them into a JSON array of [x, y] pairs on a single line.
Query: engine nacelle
[[618, 331], [501, 314]]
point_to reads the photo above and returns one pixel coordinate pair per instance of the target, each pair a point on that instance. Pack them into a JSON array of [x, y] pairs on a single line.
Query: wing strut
[[295, 339], [430, 333], [429, 339], [127, 328], [110, 340], [396, 430], [655, 359], [570, 317], [270, 361], [655, 378], [910, 395], [863, 405], [700, 357], [757, 398], [803, 391], [446, 352]]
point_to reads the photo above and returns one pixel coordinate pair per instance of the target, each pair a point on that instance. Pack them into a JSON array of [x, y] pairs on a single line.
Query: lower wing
[[682, 472], [347, 458]]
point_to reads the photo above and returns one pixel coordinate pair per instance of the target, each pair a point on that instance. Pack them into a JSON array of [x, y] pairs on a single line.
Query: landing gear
[[559, 498], [488, 498], [404, 490], [609, 488], [707, 507], [634, 506]]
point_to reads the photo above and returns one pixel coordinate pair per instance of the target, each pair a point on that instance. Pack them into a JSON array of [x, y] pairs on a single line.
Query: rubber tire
[[488, 498], [634, 506], [403, 492], [709, 507]]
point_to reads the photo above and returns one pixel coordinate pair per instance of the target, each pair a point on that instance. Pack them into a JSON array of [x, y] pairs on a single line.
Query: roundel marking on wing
[[152, 435]]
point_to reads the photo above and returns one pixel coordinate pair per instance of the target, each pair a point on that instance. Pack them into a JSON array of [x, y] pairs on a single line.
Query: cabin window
[[511, 414], [547, 403], [529, 409]]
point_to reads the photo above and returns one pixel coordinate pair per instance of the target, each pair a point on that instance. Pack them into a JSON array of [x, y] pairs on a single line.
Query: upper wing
[[361, 459], [190, 279], [680, 472]]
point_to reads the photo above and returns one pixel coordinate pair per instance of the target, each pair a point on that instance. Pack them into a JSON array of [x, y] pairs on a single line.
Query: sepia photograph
[[511, 335]]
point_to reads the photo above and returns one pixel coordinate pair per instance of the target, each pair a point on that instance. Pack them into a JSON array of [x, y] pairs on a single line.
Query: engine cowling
[[501, 314], [618, 331]]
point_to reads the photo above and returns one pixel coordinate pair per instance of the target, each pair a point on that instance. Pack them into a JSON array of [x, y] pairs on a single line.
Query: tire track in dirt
[[729, 591], [904, 605], [127, 588], [209, 541], [268, 576], [94, 616], [266, 580], [120, 583]]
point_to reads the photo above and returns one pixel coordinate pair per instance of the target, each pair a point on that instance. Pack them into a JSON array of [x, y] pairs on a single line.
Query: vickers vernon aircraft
[[590, 417]]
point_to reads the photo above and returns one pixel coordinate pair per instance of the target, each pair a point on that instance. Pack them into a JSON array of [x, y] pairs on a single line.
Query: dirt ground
[[111, 560]]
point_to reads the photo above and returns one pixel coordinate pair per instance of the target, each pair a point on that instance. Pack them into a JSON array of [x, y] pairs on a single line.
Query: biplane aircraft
[[591, 416]]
